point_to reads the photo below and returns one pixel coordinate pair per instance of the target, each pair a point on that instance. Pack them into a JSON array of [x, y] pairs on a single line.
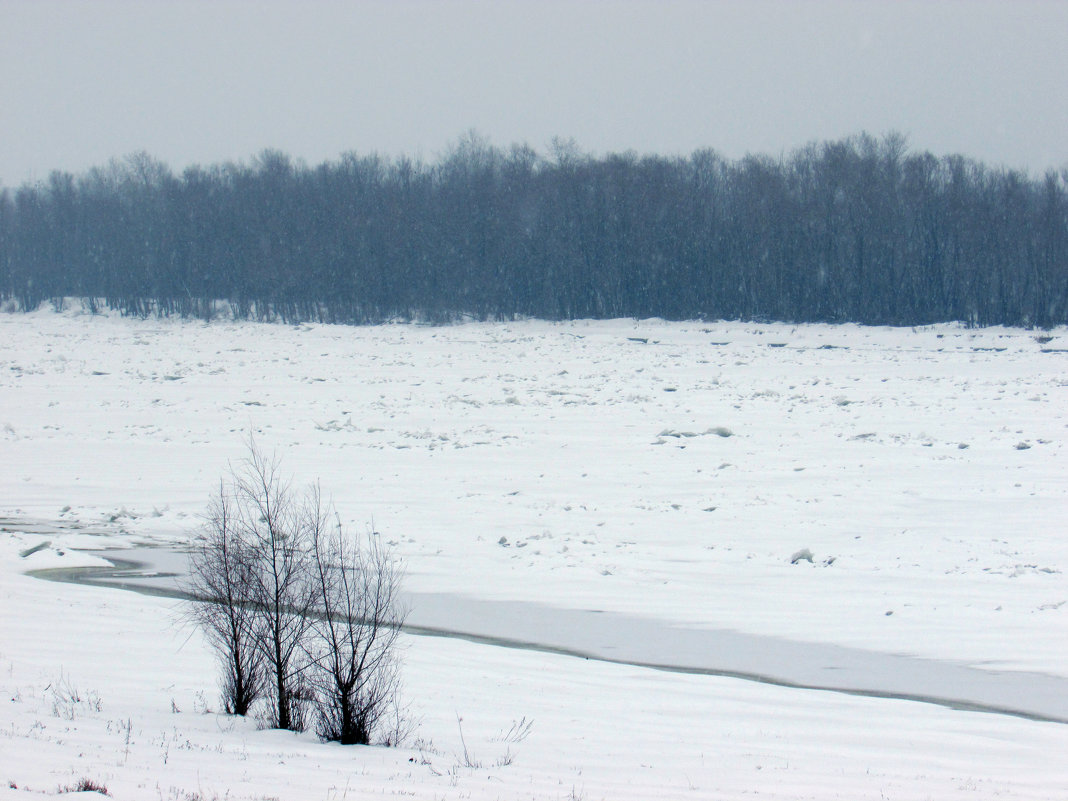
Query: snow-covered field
[[668, 470]]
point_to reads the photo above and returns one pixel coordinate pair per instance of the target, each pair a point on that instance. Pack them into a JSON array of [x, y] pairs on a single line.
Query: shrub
[[294, 607]]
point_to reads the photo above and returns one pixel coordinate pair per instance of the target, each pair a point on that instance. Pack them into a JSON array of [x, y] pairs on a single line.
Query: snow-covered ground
[[668, 470]]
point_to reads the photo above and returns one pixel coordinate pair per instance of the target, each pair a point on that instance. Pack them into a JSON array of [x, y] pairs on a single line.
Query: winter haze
[[652, 550], [208, 82]]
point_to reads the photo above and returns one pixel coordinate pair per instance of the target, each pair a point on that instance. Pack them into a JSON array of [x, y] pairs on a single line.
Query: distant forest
[[859, 230]]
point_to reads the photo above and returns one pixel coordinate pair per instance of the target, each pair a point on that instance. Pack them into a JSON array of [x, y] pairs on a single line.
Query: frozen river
[[660, 644]]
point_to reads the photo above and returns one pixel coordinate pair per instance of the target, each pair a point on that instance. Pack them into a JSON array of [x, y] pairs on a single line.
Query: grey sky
[[205, 82]]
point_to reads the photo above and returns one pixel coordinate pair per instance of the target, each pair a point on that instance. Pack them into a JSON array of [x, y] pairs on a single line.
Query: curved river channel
[[647, 642]]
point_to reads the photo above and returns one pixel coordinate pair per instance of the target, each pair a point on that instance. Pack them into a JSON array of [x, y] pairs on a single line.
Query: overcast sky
[[206, 82]]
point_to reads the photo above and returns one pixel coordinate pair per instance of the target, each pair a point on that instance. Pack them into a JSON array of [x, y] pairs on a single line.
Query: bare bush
[[84, 785], [353, 653], [221, 576], [281, 596], [295, 608]]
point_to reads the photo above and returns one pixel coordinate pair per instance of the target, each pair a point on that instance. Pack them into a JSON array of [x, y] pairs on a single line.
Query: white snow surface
[[666, 470]]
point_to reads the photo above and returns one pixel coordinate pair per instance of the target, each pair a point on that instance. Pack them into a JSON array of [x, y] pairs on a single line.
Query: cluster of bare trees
[[860, 230], [300, 613]]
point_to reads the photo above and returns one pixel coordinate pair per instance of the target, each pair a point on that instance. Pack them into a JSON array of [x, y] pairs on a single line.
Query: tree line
[[859, 230]]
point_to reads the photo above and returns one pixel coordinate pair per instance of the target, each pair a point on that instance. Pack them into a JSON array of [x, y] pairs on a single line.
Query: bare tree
[[296, 609], [354, 654], [219, 580], [274, 528]]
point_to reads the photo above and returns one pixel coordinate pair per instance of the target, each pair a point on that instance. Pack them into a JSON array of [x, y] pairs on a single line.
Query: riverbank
[[113, 686], [651, 643]]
